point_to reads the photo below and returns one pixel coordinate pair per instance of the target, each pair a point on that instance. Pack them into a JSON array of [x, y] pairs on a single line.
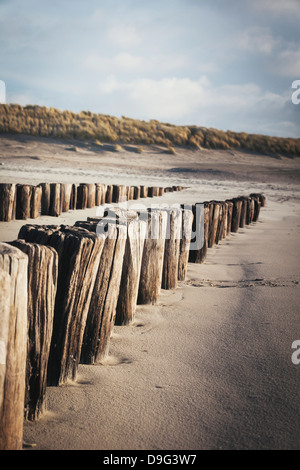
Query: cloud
[[184, 101], [277, 8], [257, 39], [287, 64]]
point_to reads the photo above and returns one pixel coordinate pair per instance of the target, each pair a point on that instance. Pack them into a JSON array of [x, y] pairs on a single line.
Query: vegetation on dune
[[99, 128]]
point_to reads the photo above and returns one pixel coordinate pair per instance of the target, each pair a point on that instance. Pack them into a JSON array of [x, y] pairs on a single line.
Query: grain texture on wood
[[102, 308], [15, 263], [82, 196], [236, 214], [23, 201], [127, 300], [7, 202], [172, 247], [187, 221], [42, 284], [153, 257], [66, 194], [55, 199], [109, 194], [73, 198], [45, 201], [35, 203], [214, 222]]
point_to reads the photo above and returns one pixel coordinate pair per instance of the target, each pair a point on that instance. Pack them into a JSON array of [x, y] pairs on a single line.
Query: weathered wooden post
[[79, 256], [250, 210], [7, 202], [45, 201], [55, 199], [23, 202], [187, 221], [13, 346], [144, 191], [100, 194], [73, 198], [109, 194], [65, 196], [153, 257], [172, 246], [214, 214], [221, 222], [91, 195], [42, 284], [127, 300], [200, 232], [137, 192], [261, 198], [236, 214], [35, 203], [257, 205], [243, 211], [119, 193], [229, 216], [82, 196], [102, 308]]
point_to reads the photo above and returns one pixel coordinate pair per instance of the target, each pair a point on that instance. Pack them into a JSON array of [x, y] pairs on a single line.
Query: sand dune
[[209, 366]]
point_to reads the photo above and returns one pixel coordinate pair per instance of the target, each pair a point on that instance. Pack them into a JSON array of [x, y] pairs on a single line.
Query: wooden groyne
[[63, 288], [25, 201]]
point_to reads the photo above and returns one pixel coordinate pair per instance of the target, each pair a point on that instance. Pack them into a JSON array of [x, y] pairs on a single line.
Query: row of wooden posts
[[25, 201], [63, 288]]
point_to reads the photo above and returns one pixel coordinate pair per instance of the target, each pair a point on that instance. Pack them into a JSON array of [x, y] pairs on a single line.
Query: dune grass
[[99, 128]]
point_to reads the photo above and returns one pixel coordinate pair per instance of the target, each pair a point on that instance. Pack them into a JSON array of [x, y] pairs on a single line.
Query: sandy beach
[[209, 366]]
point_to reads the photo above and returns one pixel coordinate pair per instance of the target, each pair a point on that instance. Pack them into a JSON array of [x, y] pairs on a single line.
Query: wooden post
[[82, 196], [144, 191], [55, 199], [257, 205], [102, 308], [214, 214], [131, 193], [243, 211], [91, 195], [119, 193], [23, 202], [229, 217], [100, 194], [126, 306], [153, 256], [7, 202], [73, 198], [65, 195], [35, 203], [79, 256], [137, 192], [13, 350], [45, 201], [187, 221], [161, 191], [236, 214], [250, 210], [261, 198], [41, 298], [172, 246], [200, 233], [109, 194], [221, 222]]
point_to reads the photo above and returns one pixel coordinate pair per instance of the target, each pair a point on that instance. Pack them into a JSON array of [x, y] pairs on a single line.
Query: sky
[[227, 64]]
